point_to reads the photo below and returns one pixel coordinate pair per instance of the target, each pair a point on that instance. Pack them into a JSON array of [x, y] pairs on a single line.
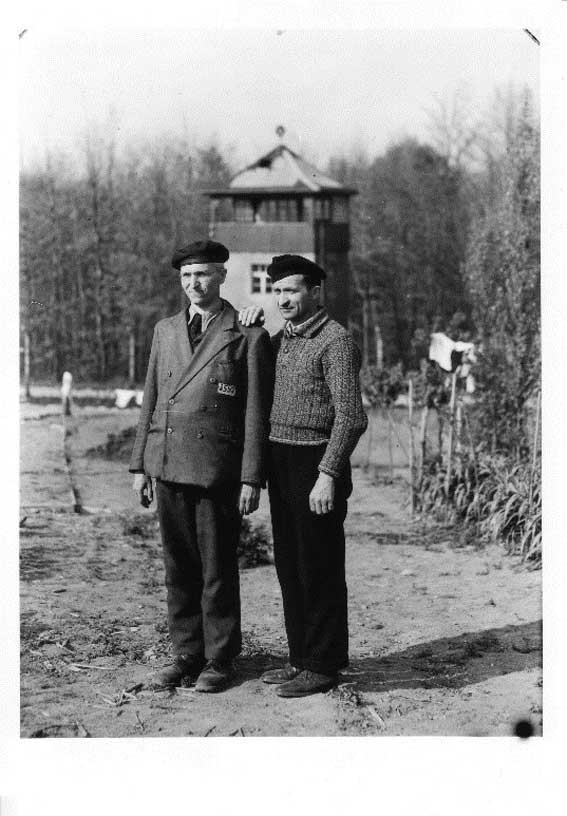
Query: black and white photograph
[[280, 409]]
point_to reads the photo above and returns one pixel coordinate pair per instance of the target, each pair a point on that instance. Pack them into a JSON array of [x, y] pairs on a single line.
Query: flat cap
[[200, 252], [284, 265]]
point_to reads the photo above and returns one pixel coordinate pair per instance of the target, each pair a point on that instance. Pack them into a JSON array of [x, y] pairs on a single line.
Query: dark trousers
[[309, 552], [200, 531]]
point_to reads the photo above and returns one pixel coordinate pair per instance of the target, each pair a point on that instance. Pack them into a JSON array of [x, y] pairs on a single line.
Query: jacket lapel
[[180, 345], [221, 332]]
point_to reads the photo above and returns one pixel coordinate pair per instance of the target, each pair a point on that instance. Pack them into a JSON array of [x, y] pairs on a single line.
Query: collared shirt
[[206, 317], [291, 330]]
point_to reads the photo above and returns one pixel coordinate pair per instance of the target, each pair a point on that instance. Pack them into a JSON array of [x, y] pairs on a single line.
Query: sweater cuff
[[328, 471]]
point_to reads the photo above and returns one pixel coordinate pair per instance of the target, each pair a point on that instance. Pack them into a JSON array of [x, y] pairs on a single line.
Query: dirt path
[[444, 640]]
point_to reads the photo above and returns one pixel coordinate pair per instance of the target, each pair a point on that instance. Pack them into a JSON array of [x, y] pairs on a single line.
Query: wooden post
[[422, 430], [534, 449], [369, 437], [475, 464], [451, 425], [66, 388], [410, 457], [27, 363], [365, 331], [131, 359], [390, 450], [458, 425]]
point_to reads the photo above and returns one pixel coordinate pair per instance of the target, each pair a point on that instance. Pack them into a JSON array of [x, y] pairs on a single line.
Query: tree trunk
[[131, 358], [365, 330], [451, 429], [410, 450], [27, 344], [378, 344], [422, 440], [99, 332]]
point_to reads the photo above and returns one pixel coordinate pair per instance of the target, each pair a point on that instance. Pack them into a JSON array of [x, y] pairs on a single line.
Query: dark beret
[[200, 252], [284, 265]]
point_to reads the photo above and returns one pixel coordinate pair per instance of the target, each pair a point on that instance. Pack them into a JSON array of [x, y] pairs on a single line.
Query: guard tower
[[282, 204]]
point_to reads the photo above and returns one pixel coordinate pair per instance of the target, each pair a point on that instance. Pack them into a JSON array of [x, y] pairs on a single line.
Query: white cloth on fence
[[124, 397], [441, 348]]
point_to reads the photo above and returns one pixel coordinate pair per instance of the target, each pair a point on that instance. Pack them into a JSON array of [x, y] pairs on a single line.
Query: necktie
[[195, 329]]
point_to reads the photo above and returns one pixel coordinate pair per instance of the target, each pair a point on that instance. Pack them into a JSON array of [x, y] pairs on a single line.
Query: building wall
[[249, 244], [275, 239], [237, 288]]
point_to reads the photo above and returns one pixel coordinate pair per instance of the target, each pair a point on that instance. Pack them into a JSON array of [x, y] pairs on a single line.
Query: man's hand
[[252, 316], [249, 499], [322, 497], [143, 487]]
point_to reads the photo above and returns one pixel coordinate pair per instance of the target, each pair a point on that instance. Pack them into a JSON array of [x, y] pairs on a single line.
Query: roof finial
[[280, 131]]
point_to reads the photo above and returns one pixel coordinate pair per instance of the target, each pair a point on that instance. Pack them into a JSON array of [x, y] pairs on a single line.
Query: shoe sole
[[214, 690], [278, 682], [304, 693], [191, 677]]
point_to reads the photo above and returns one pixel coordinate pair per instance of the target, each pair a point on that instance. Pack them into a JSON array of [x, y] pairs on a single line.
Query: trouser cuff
[[330, 669]]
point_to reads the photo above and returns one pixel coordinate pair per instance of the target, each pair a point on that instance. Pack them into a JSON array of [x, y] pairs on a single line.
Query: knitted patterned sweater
[[317, 393]]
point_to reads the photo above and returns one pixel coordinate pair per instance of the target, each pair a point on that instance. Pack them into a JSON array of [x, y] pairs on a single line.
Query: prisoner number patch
[[227, 389]]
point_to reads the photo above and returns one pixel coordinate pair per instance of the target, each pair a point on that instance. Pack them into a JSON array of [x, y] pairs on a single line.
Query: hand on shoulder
[[252, 316]]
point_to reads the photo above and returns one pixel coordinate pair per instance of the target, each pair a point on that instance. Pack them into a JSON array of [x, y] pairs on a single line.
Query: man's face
[[295, 301], [201, 283]]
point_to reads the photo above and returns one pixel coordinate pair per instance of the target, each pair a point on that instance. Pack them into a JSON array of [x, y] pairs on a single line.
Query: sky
[[331, 89]]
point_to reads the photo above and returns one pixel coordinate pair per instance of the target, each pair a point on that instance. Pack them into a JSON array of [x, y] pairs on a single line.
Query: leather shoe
[[306, 683], [282, 675], [215, 677], [183, 667]]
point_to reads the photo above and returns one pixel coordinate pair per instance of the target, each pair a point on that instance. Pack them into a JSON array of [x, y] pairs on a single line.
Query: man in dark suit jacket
[[202, 436]]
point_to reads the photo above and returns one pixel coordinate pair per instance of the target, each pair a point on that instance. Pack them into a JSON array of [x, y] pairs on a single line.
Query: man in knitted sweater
[[316, 420]]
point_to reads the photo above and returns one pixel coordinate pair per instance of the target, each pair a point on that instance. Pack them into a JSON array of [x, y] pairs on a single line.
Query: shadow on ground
[[451, 662], [445, 663]]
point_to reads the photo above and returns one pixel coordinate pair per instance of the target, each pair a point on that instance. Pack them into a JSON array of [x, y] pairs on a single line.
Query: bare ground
[[445, 639]]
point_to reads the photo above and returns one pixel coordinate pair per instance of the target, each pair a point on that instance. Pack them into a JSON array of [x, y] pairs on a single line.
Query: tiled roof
[[282, 168]]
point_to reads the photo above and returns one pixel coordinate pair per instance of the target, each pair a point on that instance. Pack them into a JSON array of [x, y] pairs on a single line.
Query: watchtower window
[[261, 283], [243, 211], [340, 210], [280, 209], [322, 208]]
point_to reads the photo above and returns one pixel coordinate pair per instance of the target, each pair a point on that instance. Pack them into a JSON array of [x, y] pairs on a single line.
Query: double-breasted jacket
[[204, 416]]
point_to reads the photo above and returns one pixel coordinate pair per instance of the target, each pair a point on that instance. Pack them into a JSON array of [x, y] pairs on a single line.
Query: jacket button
[[170, 430], [216, 405], [169, 373], [285, 349], [200, 435], [212, 379], [171, 402]]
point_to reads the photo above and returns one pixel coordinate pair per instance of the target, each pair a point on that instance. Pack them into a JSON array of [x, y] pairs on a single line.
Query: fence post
[[534, 449], [410, 457], [390, 450], [451, 425], [458, 425], [369, 434], [66, 388], [27, 363], [422, 430], [131, 358]]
